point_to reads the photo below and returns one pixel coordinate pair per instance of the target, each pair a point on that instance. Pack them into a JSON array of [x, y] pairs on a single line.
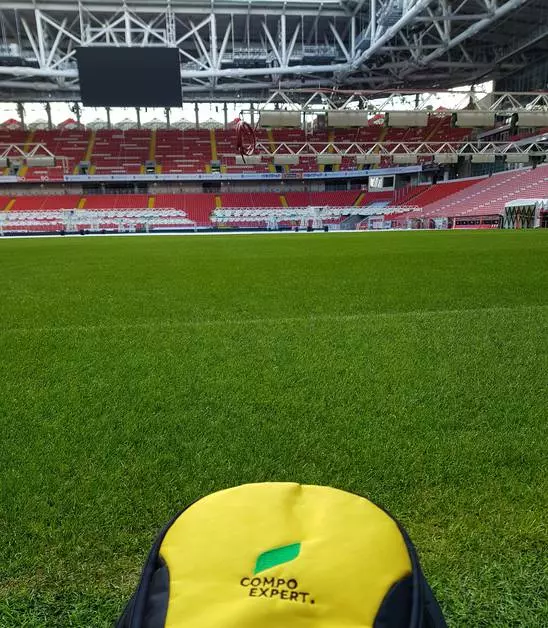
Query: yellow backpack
[[282, 555]]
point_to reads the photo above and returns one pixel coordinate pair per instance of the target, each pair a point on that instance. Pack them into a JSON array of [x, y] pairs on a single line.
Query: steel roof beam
[[478, 26], [310, 9], [412, 11], [219, 51]]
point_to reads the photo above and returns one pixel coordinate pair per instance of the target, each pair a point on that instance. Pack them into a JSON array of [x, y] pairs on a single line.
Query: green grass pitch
[[138, 374]]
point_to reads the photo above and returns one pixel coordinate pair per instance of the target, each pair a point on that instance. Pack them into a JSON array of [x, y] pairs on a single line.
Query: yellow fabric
[[351, 554]]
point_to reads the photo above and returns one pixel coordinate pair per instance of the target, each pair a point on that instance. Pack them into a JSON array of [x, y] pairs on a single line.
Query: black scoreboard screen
[[113, 76]]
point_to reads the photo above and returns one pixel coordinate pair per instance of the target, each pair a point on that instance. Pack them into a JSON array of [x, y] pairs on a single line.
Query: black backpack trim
[[135, 610]]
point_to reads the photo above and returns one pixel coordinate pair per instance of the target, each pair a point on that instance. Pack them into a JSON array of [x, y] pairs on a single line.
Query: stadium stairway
[[151, 150], [22, 170], [152, 145], [213, 141], [350, 222], [6, 203], [91, 144], [30, 138], [272, 145]]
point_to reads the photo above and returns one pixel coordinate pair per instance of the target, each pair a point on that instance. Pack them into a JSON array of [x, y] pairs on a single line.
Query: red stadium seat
[[116, 201], [45, 202], [256, 199], [198, 207], [340, 198], [427, 194]]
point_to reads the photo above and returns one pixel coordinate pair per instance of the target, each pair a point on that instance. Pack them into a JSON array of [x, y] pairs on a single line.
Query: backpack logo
[[271, 587]]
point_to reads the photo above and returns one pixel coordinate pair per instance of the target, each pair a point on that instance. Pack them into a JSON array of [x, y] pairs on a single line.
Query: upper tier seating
[[71, 144], [181, 152], [441, 131], [361, 134], [15, 136], [116, 151]]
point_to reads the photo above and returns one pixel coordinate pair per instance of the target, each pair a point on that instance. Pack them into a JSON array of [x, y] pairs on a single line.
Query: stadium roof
[[241, 50]]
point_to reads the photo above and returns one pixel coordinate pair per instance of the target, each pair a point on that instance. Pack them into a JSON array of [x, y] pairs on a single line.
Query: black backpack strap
[[417, 577], [134, 611], [433, 617], [426, 612]]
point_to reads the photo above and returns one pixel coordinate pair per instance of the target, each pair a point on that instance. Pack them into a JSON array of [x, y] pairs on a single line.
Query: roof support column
[[21, 113], [47, 107]]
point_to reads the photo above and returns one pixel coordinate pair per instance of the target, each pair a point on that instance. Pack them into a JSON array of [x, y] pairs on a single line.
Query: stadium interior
[[283, 241]]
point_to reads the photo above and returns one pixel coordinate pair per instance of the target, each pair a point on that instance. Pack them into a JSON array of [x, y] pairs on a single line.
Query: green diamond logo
[[277, 556]]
